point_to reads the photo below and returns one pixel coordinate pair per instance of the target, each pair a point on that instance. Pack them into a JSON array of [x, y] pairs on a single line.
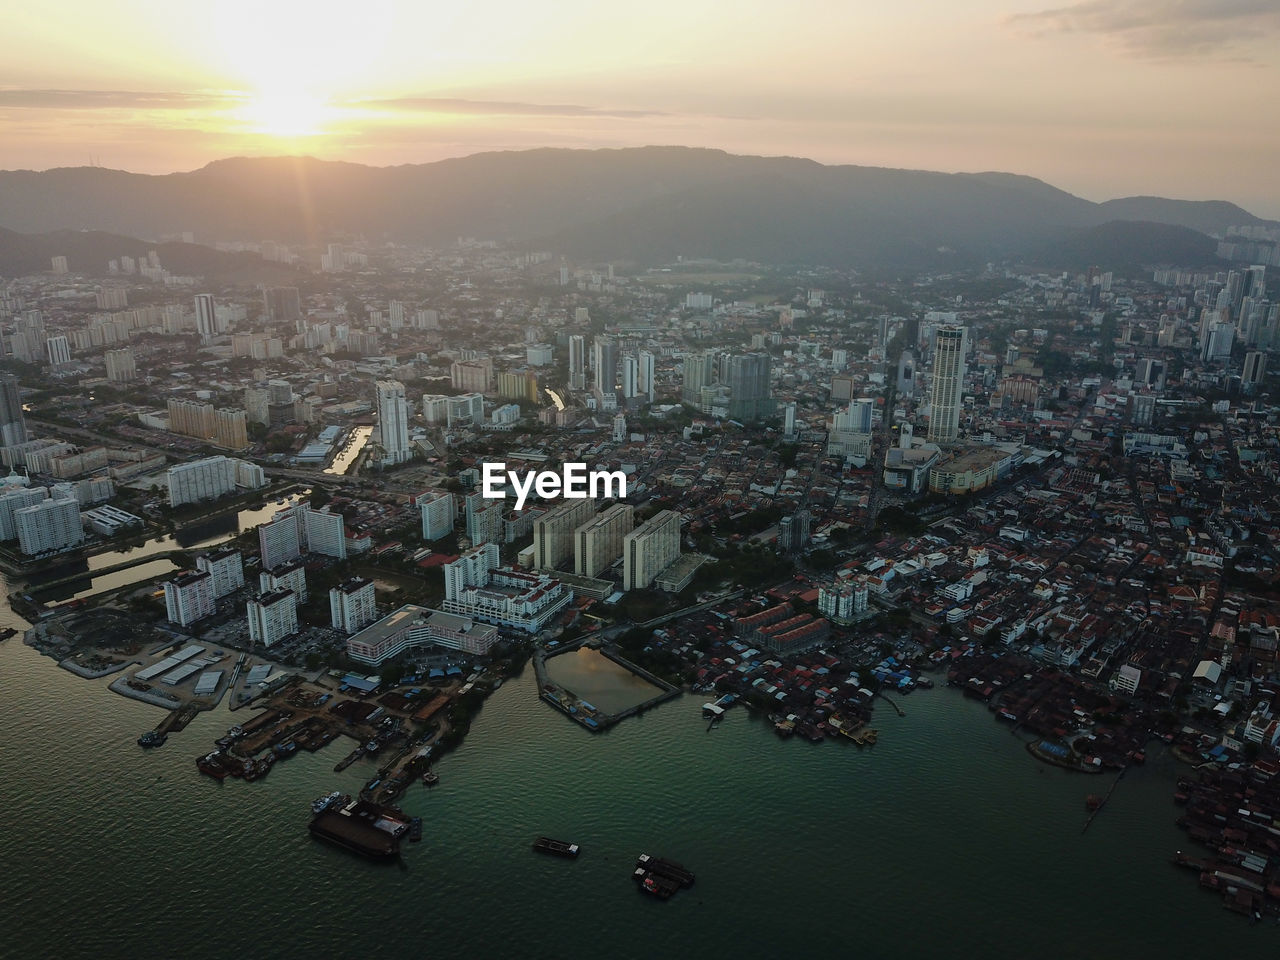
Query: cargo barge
[[660, 878], [557, 848], [362, 827]]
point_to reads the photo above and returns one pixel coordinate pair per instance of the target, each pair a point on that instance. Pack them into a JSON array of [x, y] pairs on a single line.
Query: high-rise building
[[948, 383], [475, 586], [1217, 342], [789, 419], [630, 377], [199, 480], [120, 366], [351, 605], [750, 388], [59, 264], [324, 533], [225, 567], [473, 376], [291, 576], [13, 426], [648, 385], [907, 373], [577, 362], [189, 597], [650, 549], [48, 525], [272, 617], [1255, 368], [206, 317], [598, 543], [230, 429], [280, 540], [484, 519], [604, 360], [553, 532], [464, 410], [59, 351], [282, 305], [699, 370], [439, 514], [14, 499], [393, 421]]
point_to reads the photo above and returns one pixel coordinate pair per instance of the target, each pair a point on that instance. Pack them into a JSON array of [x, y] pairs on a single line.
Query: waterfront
[[946, 839], [593, 677]]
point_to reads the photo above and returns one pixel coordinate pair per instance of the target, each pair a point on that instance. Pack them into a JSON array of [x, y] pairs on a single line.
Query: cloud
[[454, 105], [1162, 29], [112, 100]]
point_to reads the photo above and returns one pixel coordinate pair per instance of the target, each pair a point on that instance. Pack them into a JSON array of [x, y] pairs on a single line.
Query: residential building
[[553, 532], [598, 543], [272, 617], [393, 421], [48, 525], [189, 597], [200, 480], [650, 549], [439, 513], [291, 576], [351, 605], [225, 568]]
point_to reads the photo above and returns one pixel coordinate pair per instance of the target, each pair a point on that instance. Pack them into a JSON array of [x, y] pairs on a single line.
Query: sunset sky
[[1105, 99]]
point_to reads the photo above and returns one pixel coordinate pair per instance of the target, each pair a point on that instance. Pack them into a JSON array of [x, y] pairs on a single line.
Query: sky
[[1104, 98]]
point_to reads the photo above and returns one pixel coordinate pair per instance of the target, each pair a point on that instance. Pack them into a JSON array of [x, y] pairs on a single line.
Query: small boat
[[415, 829], [152, 739], [557, 848], [430, 778], [1092, 802], [321, 804]]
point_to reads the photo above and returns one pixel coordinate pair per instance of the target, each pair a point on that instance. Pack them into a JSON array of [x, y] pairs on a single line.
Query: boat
[[415, 829], [656, 886], [152, 738], [557, 848], [1093, 802], [211, 765], [430, 778], [320, 804], [665, 868]]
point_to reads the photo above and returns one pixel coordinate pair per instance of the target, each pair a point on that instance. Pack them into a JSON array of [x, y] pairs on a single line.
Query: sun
[[286, 113]]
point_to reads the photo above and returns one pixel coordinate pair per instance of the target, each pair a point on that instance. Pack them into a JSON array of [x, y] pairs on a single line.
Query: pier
[[585, 713]]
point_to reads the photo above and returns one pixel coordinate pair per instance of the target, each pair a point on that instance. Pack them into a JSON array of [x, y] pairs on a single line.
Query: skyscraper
[[598, 542], [282, 304], [750, 391], [647, 365], [699, 369], [577, 362], [13, 427], [650, 549], [206, 317], [605, 359], [59, 350], [948, 383], [1255, 368], [393, 421], [630, 377]]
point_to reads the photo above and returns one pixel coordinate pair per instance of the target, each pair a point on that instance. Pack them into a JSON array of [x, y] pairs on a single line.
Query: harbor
[[617, 687]]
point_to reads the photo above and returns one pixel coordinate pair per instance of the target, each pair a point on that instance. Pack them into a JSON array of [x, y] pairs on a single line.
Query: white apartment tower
[[393, 421]]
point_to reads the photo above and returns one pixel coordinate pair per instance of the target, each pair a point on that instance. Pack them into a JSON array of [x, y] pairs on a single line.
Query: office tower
[[793, 532], [58, 350], [630, 377], [225, 567], [857, 417], [1149, 373], [393, 421], [439, 514], [272, 617], [1217, 342], [120, 366], [648, 386], [907, 372], [604, 356], [351, 605], [189, 597], [577, 362], [553, 532], [291, 576], [464, 410], [650, 549], [948, 383], [750, 390], [13, 426], [325, 533], [699, 372], [279, 541], [199, 480], [789, 419], [598, 543], [282, 305], [206, 317], [1255, 368], [48, 525]]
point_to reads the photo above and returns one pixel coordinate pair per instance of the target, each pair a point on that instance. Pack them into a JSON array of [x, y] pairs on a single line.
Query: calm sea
[[945, 839]]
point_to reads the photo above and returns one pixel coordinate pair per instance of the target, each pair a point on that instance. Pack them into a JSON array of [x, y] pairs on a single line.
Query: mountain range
[[648, 204]]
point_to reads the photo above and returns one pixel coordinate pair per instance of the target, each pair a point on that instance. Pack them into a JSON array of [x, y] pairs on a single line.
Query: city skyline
[[1102, 100]]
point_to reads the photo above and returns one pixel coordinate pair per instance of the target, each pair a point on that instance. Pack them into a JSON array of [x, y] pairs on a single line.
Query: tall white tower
[[393, 421], [948, 383]]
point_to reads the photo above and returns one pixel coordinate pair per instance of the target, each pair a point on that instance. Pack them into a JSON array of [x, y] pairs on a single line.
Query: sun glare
[[286, 114]]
